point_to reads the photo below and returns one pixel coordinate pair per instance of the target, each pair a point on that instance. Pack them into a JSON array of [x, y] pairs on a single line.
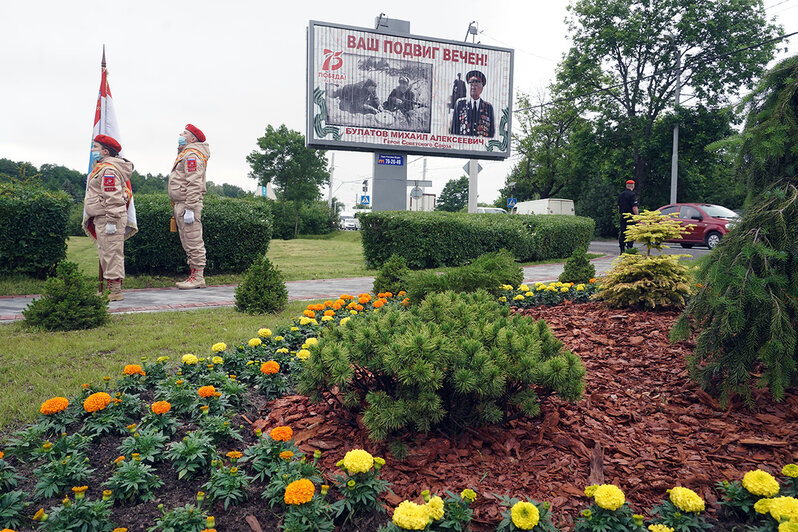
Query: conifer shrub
[[488, 272], [69, 302], [645, 280], [457, 360], [392, 276], [262, 290], [746, 307], [577, 268]]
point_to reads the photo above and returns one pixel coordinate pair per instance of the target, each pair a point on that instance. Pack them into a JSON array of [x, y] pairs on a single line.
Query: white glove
[[188, 216], [110, 229]]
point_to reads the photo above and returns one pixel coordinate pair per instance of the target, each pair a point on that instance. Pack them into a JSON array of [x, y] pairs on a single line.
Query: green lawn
[[35, 365]]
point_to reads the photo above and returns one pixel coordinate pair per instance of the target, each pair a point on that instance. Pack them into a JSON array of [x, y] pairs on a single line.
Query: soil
[[642, 425]]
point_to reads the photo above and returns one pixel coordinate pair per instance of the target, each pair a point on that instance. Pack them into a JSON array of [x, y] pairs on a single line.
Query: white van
[[495, 210], [545, 206]]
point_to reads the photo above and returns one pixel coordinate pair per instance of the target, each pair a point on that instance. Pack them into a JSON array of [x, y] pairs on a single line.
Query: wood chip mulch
[[642, 425]]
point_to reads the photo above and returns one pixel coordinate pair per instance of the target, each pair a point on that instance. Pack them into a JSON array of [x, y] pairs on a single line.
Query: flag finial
[[103, 61]]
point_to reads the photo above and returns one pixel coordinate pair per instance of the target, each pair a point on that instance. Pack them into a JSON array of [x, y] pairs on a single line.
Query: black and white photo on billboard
[[380, 93]]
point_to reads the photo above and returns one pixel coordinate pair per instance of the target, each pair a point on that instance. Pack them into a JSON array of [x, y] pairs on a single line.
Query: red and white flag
[[105, 124]]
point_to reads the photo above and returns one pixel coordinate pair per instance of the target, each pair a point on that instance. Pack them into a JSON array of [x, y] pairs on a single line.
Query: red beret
[[630, 182], [108, 142], [196, 132]]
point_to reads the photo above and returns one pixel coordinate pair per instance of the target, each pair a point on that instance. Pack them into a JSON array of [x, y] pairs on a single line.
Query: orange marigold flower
[[161, 407], [282, 433], [329, 313], [346, 297], [80, 489], [206, 391], [379, 303], [337, 306], [317, 307], [339, 302], [2, 454], [358, 307], [699, 285], [363, 300], [406, 302], [286, 455], [270, 368], [328, 303], [54, 405], [592, 280], [299, 492], [96, 402], [233, 455], [133, 369], [401, 293], [388, 295], [119, 459], [309, 313]]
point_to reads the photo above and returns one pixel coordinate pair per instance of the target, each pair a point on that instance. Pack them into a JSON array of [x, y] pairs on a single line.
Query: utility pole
[[332, 169], [675, 155]]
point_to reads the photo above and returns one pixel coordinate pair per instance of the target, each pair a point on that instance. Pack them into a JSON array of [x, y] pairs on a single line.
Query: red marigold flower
[[281, 433], [207, 391], [54, 405], [161, 407], [299, 492], [270, 368], [133, 369], [96, 402]]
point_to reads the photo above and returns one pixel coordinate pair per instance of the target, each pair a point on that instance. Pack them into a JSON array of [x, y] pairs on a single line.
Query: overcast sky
[[230, 68]]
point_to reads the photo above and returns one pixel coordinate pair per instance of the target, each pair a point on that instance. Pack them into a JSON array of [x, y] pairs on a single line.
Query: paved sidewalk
[[172, 299]]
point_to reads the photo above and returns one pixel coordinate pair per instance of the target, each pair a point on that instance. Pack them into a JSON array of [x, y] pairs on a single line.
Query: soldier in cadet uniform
[[186, 190], [472, 115], [108, 195]]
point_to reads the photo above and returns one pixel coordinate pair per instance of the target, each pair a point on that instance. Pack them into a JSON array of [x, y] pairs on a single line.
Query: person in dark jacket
[[627, 205]]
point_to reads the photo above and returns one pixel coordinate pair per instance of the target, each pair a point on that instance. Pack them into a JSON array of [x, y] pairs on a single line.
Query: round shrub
[[392, 276], [577, 268], [263, 289], [69, 302], [235, 231]]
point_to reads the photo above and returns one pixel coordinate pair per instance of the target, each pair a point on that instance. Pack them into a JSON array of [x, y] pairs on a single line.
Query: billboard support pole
[[473, 172], [332, 169]]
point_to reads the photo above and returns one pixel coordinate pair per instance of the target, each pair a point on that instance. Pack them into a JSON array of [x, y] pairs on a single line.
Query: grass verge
[[36, 365]]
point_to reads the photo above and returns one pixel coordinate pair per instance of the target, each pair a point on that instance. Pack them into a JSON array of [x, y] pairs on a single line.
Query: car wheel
[[685, 245], [712, 239]]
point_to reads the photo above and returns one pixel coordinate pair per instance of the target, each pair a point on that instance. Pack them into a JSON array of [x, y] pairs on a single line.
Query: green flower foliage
[[58, 476], [147, 443], [79, 515], [648, 281], [392, 276], [577, 268], [134, 480], [12, 506], [227, 484], [746, 312], [69, 302], [192, 455], [489, 272], [454, 361], [262, 290], [186, 518]]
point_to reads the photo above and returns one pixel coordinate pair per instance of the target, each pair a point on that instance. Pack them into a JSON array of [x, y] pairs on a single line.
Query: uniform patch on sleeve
[[109, 182], [191, 164]]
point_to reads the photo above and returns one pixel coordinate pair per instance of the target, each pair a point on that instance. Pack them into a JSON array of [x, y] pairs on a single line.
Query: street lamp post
[[675, 154]]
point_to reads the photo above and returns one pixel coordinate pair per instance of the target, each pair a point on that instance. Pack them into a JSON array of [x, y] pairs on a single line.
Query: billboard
[[369, 90]]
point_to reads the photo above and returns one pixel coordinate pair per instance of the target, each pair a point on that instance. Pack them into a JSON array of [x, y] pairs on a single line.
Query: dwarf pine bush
[[392, 276], [577, 268], [262, 290], [453, 361]]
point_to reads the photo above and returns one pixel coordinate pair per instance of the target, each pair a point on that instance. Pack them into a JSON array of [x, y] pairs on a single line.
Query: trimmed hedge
[[33, 229], [434, 239], [314, 219], [236, 233]]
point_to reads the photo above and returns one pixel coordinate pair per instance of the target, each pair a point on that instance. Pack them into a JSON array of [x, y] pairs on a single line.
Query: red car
[[710, 222]]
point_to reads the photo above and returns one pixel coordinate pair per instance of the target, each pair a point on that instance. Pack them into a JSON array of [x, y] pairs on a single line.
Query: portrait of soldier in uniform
[[472, 115]]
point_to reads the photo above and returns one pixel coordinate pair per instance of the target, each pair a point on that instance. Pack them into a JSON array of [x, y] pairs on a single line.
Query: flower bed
[[548, 294], [655, 429]]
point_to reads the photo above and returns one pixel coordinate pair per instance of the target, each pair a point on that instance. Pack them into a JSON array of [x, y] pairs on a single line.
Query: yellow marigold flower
[[519, 297], [358, 461], [760, 483], [233, 455], [507, 287], [79, 489], [410, 516], [282, 350], [564, 289], [312, 341], [687, 500], [303, 354], [789, 526], [54, 405], [304, 320], [162, 359], [299, 492], [327, 318], [784, 509], [217, 360], [468, 495], [591, 490], [254, 342], [119, 459], [189, 359], [580, 287], [218, 347], [344, 321], [278, 338], [161, 407], [206, 391], [790, 470], [269, 368], [264, 333], [659, 528], [286, 455], [435, 508], [540, 287], [96, 402], [523, 288], [503, 299], [609, 497], [281, 433], [120, 529], [525, 515], [762, 506], [133, 369], [39, 514]]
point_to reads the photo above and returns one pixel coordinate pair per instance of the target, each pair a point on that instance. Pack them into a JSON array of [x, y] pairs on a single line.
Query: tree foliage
[[454, 196], [746, 311]]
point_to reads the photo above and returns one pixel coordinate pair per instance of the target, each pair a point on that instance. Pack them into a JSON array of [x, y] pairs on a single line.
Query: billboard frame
[[502, 145]]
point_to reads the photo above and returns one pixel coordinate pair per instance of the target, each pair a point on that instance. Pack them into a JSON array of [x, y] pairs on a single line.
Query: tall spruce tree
[[746, 309]]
